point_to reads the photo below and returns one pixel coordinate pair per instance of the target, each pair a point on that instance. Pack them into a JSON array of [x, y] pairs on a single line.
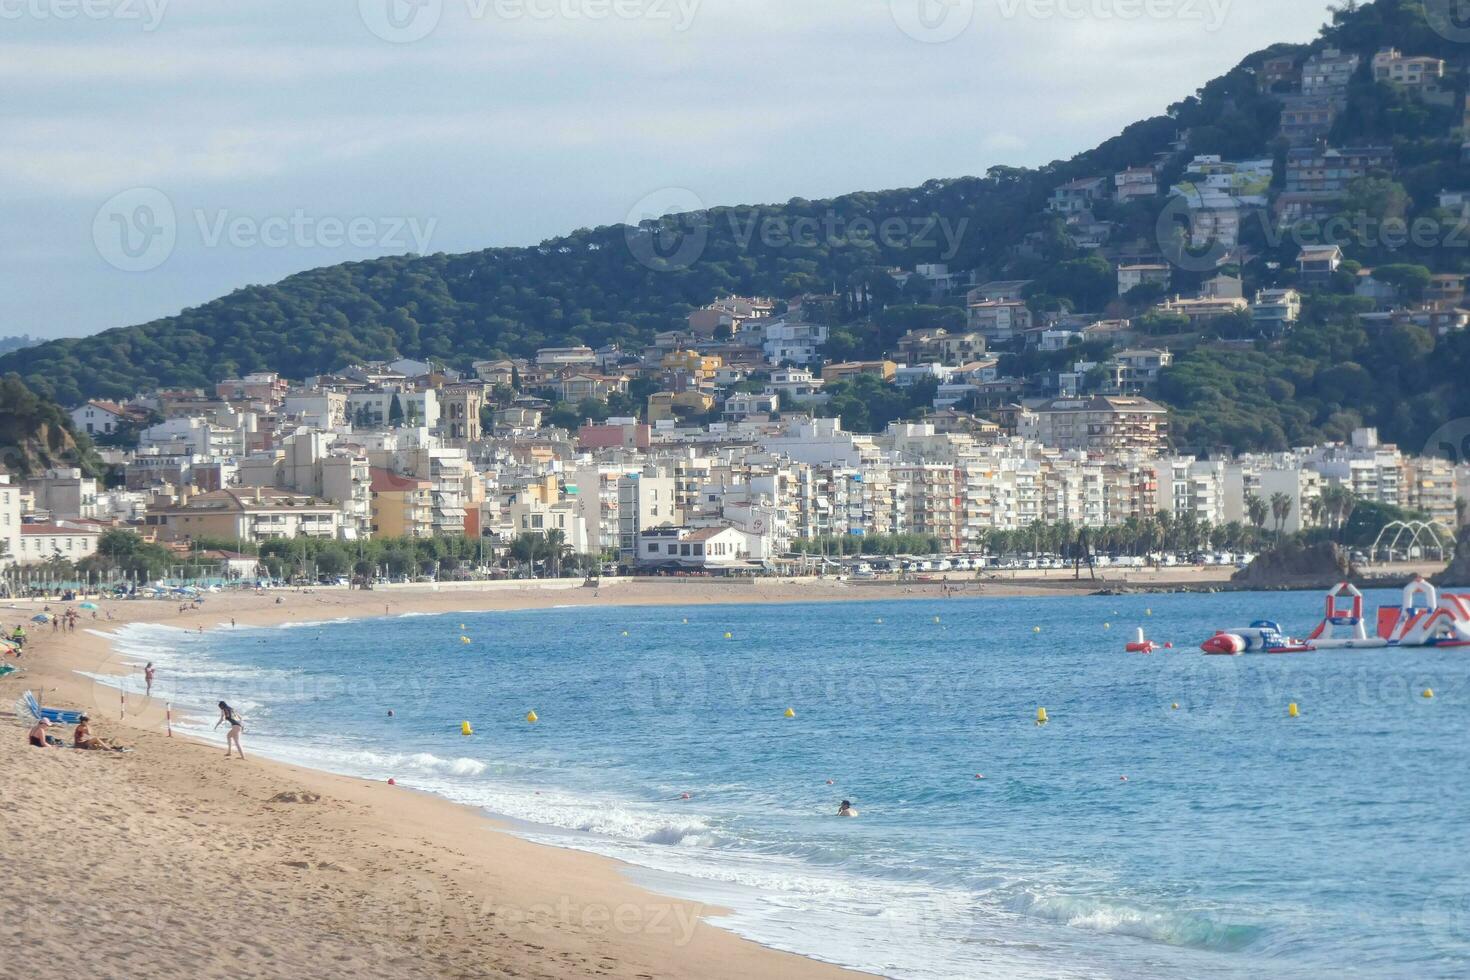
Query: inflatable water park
[[1425, 617]]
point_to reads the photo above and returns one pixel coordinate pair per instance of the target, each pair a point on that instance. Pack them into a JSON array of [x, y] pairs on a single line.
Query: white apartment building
[[9, 520], [645, 500]]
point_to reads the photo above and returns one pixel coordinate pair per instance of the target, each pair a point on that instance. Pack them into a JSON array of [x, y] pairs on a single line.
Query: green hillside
[[608, 285]]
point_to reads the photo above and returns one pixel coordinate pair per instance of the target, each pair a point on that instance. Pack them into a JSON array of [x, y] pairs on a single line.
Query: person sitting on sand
[[846, 810], [38, 733], [237, 725], [82, 738]]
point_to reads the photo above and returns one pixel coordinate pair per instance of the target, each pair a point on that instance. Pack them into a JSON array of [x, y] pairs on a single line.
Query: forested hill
[[615, 284], [591, 287]]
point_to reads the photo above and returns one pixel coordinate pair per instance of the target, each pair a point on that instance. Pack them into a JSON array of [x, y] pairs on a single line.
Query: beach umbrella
[[41, 618], [90, 605]]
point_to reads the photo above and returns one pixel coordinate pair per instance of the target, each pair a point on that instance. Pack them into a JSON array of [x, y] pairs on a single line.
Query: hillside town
[[724, 446], [410, 449]]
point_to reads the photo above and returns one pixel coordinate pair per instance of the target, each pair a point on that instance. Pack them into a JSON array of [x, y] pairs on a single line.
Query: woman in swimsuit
[[229, 714], [83, 738], [38, 733]]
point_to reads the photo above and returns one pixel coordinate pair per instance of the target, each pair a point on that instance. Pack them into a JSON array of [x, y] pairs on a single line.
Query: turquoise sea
[[1242, 842]]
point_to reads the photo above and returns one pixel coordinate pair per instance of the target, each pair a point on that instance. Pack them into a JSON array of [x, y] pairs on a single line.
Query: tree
[[1255, 509], [395, 411]]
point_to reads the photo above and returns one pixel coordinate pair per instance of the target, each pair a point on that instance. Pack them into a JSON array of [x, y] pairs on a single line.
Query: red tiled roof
[[386, 481]]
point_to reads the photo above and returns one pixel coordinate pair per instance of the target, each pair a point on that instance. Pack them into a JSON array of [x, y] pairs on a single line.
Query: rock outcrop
[[1295, 566]]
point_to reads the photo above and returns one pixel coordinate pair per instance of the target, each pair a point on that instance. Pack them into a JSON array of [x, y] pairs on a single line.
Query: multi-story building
[[57, 540], [998, 321], [245, 514], [1101, 423], [1275, 311], [1313, 170], [1415, 72], [1327, 73], [645, 500], [10, 512], [401, 506], [1136, 183]]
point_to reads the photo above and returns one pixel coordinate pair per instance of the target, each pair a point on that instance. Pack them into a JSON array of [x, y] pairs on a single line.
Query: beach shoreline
[[172, 846], [201, 867]]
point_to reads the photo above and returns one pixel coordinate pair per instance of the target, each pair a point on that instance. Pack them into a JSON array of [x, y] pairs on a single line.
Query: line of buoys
[[465, 729], [1429, 692], [790, 712], [1041, 717], [1291, 710], [532, 717]]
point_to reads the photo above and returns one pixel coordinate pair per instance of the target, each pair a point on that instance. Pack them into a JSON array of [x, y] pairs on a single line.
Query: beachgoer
[[846, 810], [237, 725], [82, 738], [148, 673], [38, 733]]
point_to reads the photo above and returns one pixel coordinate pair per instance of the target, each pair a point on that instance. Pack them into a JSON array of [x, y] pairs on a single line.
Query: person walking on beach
[[148, 679], [229, 714]]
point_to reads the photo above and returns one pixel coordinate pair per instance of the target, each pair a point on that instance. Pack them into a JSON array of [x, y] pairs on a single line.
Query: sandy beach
[[171, 861]]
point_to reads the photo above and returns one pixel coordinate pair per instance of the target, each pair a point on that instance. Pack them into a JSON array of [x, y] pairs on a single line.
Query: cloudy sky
[[159, 153]]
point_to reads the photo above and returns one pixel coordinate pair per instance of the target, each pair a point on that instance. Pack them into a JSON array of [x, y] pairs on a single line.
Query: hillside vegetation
[[609, 284]]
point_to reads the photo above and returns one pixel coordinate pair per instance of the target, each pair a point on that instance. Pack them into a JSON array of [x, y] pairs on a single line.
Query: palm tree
[[553, 549], [1255, 509], [1280, 508]]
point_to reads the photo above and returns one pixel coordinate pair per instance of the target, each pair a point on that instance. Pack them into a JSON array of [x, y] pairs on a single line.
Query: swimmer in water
[[846, 810]]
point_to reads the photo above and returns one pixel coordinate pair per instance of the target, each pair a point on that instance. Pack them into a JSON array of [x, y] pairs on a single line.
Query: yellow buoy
[[1148, 612], [1175, 706], [531, 717], [1041, 718], [461, 626], [1429, 692], [465, 729], [729, 636], [625, 632], [790, 712], [464, 639], [1107, 626], [1291, 710], [1036, 629]]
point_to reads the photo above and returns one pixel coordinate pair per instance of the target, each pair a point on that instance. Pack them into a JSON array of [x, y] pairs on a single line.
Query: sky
[[160, 153]]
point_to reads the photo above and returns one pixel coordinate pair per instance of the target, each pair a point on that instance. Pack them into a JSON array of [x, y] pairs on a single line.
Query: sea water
[[1242, 842]]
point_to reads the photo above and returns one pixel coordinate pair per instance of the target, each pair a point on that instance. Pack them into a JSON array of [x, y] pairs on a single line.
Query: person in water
[[237, 725], [148, 679], [846, 810]]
